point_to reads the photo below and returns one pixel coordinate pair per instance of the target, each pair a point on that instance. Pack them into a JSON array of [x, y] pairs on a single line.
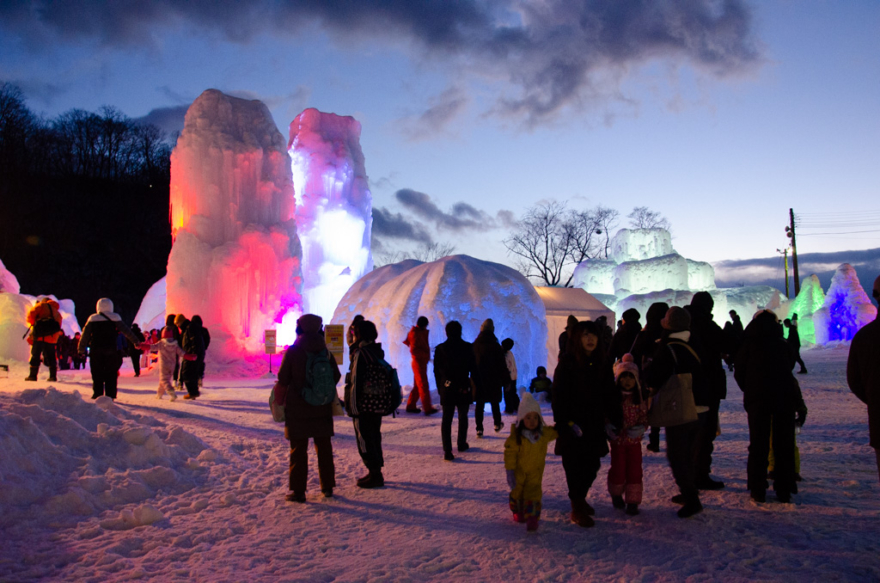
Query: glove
[[635, 432], [511, 479], [801, 418], [577, 430], [611, 431]]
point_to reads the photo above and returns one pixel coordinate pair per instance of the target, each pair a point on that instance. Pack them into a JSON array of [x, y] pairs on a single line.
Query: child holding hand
[[169, 350], [525, 453], [625, 475]]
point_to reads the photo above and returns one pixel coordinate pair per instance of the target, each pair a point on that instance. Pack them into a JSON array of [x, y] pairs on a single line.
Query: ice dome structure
[[453, 288], [846, 308]]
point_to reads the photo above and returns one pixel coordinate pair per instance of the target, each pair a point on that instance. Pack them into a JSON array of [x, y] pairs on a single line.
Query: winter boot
[[632, 509], [617, 502], [654, 442], [580, 515], [33, 375], [53, 372], [375, 479], [691, 507]]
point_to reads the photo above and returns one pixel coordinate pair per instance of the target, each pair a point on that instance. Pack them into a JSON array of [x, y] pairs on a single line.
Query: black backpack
[[47, 326]]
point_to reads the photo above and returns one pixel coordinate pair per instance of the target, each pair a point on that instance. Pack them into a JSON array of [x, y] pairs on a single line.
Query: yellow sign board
[[334, 337], [269, 340]]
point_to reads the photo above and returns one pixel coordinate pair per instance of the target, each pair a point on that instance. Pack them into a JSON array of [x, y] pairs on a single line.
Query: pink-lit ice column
[[235, 258], [333, 207]]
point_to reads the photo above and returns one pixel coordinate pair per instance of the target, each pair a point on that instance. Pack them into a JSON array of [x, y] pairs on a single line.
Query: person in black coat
[[454, 371], [492, 375], [643, 351], [625, 337], [771, 397], [302, 420], [99, 337], [367, 426], [707, 340], [134, 352], [674, 356], [191, 370], [583, 397]]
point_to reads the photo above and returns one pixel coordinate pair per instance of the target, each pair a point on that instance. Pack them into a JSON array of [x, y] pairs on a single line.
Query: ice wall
[[236, 257], [846, 308], [810, 299], [8, 282], [640, 244], [151, 314], [651, 274], [595, 276], [453, 288], [333, 207]]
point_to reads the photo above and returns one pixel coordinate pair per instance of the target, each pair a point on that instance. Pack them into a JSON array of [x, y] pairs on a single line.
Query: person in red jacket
[[417, 340], [45, 328]]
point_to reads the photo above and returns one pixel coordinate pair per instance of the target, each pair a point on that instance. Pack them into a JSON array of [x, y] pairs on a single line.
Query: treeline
[[83, 203]]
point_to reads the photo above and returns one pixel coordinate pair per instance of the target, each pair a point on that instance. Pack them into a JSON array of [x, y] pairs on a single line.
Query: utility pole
[[785, 255], [789, 232]]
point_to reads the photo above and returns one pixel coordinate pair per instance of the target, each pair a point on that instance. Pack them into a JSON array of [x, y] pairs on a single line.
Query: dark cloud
[[396, 226], [462, 217], [553, 55], [167, 119], [770, 270], [442, 110]]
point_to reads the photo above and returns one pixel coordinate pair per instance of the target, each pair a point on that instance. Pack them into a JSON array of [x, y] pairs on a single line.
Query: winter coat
[[169, 351], [708, 341], [454, 367], [361, 356], [492, 373], [527, 460], [46, 308], [303, 420], [583, 394], [763, 369], [510, 363], [101, 329], [863, 375], [419, 348], [623, 341], [794, 338], [193, 343], [664, 365], [540, 385]]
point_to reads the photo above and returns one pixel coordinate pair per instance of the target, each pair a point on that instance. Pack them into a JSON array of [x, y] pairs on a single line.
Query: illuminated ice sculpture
[[333, 207], [235, 258], [846, 308]]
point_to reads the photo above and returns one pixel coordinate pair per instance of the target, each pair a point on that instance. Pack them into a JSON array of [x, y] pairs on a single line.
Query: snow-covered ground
[[194, 491]]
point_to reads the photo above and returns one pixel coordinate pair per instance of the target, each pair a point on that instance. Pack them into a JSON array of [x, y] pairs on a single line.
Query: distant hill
[[770, 271]]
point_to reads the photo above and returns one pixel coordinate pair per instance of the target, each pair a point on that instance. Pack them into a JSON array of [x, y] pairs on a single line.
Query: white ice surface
[[106, 507]]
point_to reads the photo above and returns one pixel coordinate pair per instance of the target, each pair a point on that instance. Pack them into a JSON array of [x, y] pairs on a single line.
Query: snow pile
[[13, 324], [453, 288], [846, 308], [8, 281], [152, 311], [235, 259], [333, 206], [63, 456]]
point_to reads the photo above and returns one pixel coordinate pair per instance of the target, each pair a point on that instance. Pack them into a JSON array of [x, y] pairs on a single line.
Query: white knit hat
[[527, 405]]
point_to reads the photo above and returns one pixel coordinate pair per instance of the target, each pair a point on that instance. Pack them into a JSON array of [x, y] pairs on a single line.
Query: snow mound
[[63, 456], [13, 327], [453, 288], [8, 282]]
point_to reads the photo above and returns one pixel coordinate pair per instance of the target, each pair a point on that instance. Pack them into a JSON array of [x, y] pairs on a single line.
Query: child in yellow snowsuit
[[525, 452]]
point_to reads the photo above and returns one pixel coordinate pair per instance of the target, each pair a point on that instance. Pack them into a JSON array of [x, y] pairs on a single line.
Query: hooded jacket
[[526, 457], [102, 328], [763, 368], [492, 374]]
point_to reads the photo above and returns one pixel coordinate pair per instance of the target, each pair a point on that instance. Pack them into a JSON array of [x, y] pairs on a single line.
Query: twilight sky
[[719, 114]]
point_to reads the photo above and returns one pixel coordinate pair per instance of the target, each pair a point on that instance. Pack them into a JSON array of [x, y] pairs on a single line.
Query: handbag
[[673, 404], [277, 397], [336, 407]]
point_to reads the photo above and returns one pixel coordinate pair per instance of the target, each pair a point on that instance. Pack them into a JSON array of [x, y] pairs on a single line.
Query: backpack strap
[[686, 345]]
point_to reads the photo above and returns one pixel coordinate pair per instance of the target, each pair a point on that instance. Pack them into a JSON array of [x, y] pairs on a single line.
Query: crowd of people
[[600, 394], [179, 348]]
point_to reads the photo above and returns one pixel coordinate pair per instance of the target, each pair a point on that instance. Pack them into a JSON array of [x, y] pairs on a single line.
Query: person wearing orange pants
[[420, 349]]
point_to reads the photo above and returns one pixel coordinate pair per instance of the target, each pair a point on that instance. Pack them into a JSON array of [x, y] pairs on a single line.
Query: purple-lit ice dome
[[460, 288]]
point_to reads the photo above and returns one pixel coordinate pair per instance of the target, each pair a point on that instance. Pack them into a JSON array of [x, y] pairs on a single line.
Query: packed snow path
[[194, 491]]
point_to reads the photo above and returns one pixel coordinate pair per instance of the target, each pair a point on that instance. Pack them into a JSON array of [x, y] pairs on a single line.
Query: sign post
[[334, 338], [269, 340]]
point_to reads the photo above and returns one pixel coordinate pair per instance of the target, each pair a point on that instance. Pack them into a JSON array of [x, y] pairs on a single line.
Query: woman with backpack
[[365, 362], [303, 420], [45, 321]]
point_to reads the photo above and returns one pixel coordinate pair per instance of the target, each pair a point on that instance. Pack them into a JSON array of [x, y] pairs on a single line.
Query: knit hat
[[487, 326], [676, 319], [104, 305], [626, 364], [528, 404], [309, 323]]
